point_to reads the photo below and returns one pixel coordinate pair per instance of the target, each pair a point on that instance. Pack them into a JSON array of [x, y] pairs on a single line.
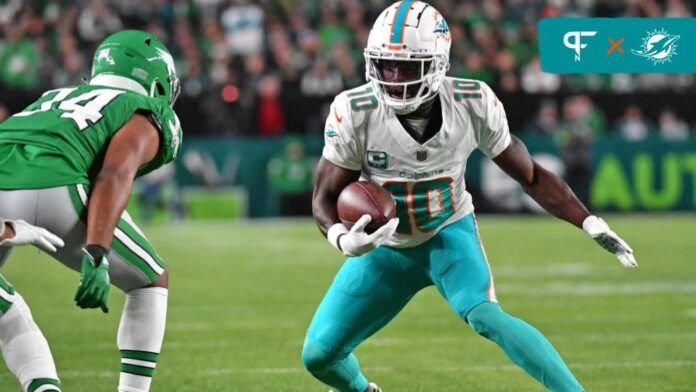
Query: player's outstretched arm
[[551, 192], [331, 180], [556, 197], [134, 145]]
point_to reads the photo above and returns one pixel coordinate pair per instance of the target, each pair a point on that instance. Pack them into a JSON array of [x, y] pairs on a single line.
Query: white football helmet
[[407, 55]]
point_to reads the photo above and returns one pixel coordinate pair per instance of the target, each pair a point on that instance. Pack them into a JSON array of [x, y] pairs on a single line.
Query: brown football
[[363, 197]]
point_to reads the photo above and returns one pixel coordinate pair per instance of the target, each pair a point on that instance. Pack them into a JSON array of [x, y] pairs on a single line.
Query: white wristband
[[335, 233], [594, 226], [2, 227]]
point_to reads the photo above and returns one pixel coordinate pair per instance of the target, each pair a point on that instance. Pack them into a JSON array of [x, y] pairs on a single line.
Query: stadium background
[[258, 78]]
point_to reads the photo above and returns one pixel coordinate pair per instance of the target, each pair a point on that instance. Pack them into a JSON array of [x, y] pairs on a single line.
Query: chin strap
[[429, 100], [404, 111]]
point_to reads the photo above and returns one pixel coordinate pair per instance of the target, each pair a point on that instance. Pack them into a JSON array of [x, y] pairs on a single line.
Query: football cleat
[[372, 387]]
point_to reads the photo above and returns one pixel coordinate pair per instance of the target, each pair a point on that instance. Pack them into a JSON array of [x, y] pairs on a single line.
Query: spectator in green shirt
[[19, 60], [290, 176]]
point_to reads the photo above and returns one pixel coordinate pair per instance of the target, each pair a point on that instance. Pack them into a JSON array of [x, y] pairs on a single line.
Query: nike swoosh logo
[[338, 118]]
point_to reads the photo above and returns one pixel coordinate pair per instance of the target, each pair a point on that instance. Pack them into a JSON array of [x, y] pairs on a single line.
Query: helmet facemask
[[175, 89], [404, 81], [157, 89]]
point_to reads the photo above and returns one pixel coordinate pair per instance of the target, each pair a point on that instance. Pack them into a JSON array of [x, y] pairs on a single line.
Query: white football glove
[[356, 241], [607, 239], [26, 234]]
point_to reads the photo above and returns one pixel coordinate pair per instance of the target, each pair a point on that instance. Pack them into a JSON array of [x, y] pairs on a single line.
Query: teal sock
[[524, 345], [340, 371]]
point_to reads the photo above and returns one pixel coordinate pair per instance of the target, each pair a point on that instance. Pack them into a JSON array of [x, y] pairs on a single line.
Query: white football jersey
[[426, 180]]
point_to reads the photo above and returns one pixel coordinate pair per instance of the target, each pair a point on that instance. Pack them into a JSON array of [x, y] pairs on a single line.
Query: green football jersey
[[61, 139]]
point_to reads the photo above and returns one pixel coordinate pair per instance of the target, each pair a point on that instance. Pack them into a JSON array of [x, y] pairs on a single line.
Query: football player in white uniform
[[411, 129], [24, 347]]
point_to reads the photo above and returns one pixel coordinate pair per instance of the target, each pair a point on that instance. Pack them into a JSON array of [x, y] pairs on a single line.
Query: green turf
[[242, 295]]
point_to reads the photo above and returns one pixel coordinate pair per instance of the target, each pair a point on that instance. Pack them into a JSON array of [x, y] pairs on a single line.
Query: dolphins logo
[[441, 27], [658, 47]]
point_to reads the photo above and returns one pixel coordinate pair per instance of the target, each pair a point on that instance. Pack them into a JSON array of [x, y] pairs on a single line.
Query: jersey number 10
[[83, 109], [425, 205]]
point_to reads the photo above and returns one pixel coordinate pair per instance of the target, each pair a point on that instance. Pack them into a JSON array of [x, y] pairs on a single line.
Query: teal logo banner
[[618, 45]]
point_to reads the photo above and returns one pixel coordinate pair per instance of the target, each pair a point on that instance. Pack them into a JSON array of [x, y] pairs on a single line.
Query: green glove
[[93, 290]]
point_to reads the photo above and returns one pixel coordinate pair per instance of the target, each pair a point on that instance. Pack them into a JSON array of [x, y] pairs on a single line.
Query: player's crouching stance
[[411, 129], [69, 161], [24, 347]]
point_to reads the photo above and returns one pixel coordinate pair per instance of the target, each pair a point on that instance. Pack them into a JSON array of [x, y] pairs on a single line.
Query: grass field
[[242, 295]]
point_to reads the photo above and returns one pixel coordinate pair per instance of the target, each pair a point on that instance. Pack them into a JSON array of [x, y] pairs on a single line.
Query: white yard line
[[553, 270], [395, 341], [598, 289], [579, 337], [586, 366], [386, 369], [87, 374]]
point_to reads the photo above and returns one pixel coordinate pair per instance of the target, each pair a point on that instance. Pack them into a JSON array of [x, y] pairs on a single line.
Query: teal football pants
[[370, 290]]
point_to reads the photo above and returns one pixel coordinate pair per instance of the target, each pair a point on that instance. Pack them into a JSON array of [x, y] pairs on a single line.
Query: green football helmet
[[137, 61]]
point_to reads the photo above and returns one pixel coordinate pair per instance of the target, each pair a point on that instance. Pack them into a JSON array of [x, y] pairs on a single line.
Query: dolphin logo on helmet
[[407, 55], [441, 26]]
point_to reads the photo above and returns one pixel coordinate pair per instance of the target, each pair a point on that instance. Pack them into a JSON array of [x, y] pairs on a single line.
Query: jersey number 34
[[84, 109]]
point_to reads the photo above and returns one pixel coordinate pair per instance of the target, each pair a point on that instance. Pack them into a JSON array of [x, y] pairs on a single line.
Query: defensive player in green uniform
[[67, 163], [24, 347]]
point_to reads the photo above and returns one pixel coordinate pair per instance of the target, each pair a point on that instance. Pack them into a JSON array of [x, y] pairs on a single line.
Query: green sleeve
[[162, 117], [167, 123]]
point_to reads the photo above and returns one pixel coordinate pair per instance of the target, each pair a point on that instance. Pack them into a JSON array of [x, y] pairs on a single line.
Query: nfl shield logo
[[421, 155]]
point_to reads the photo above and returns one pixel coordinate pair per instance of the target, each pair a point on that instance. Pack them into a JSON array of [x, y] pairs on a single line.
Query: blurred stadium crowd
[[271, 67]]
